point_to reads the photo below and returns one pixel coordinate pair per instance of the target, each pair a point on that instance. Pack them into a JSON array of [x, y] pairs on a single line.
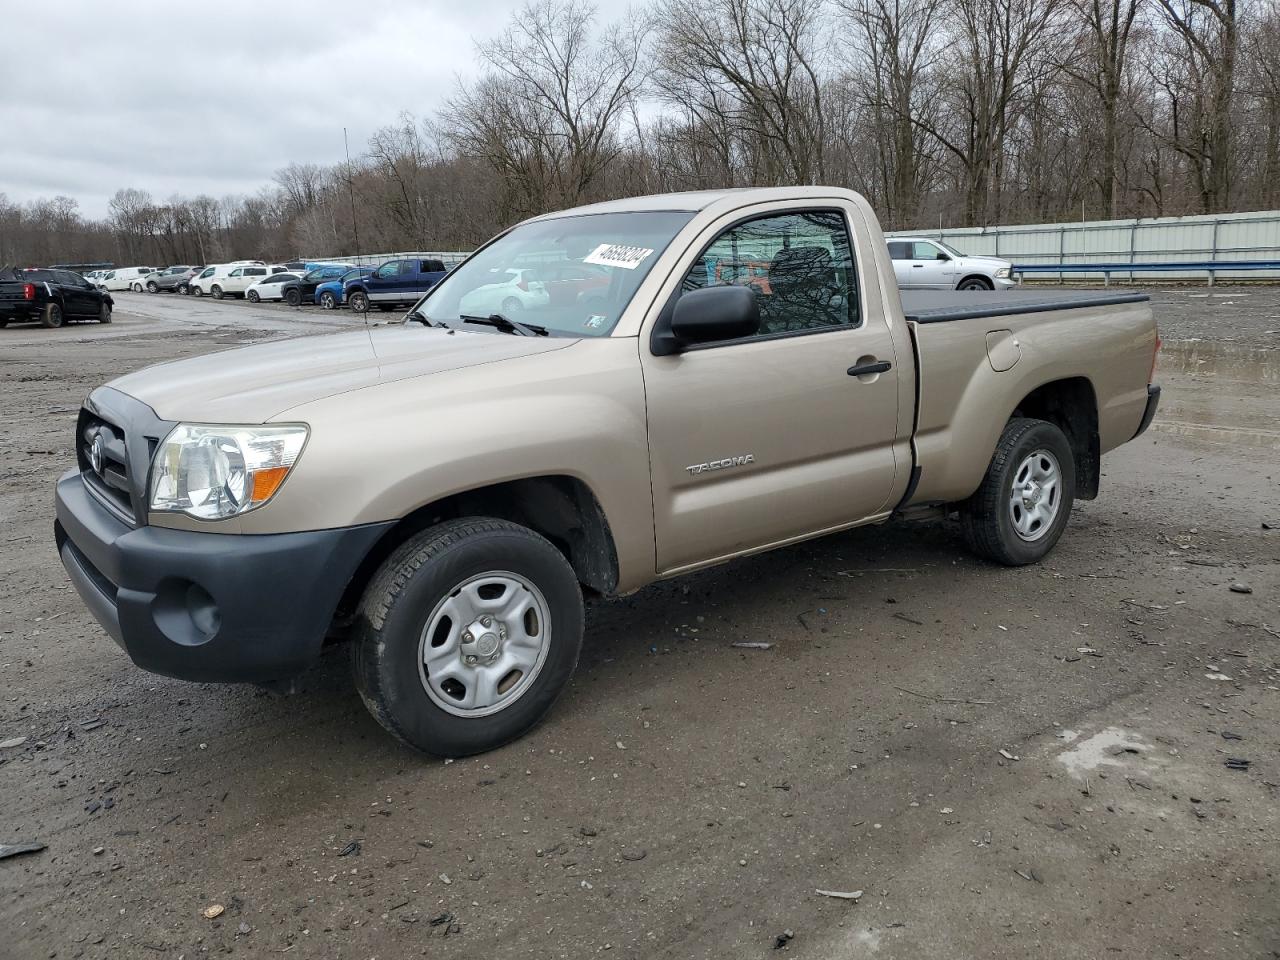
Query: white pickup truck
[[702, 376]]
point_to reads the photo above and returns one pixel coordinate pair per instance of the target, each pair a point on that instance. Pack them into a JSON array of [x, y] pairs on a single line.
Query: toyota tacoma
[[444, 492]]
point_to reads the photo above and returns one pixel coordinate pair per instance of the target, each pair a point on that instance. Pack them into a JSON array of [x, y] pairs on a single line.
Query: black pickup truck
[[51, 297]]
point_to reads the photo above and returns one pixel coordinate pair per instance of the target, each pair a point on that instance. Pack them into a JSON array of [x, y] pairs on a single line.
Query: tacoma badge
[[738, 461]]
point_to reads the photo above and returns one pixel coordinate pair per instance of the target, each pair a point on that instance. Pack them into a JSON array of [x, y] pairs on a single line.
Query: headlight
[[1002, 273], [210, 472]]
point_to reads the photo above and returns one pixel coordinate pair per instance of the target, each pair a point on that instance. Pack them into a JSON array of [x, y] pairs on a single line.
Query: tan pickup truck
[[592, 401]]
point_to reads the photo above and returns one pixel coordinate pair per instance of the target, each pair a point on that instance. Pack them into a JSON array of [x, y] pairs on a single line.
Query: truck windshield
[[572, 275]]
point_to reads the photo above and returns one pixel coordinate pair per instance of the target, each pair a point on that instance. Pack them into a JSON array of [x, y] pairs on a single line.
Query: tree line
[[969, 112]]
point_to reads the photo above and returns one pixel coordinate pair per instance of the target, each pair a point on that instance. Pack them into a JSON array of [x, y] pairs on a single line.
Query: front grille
[[104, 463]]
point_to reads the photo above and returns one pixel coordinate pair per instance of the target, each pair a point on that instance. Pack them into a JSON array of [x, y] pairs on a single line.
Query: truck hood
[[256, 384], [984, 263]]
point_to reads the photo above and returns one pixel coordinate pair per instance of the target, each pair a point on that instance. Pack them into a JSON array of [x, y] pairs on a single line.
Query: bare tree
[[748, 72], [898, 42], [1100, 59], [1196, 69], [547, 112]]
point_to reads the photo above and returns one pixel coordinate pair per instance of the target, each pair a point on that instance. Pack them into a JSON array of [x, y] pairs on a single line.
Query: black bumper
[[207, 606], [1153, 402], [20, 312]]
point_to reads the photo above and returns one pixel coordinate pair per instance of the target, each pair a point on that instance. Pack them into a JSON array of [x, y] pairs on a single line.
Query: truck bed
[[942, 306], [978, 353]]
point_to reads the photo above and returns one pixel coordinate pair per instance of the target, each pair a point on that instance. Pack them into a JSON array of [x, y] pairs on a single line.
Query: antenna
[[355, 227]]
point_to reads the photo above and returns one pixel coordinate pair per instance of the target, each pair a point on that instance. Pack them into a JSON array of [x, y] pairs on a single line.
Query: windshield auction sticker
[[617, 255]]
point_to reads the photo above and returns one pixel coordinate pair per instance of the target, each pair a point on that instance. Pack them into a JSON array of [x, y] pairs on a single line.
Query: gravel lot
[[1007, 763]]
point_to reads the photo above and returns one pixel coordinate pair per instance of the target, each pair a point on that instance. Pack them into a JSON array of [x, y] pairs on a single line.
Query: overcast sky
[[214, 98]]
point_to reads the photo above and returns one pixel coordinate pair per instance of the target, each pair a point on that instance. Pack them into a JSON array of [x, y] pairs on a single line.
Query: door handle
[[864, 369], [917, 266]]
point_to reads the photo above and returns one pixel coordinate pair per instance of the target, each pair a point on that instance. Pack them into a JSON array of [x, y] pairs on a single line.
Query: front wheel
[[466, 636], [216, 291], [104, 313], [195, 291], [359, 301], [152, 287], [1025, 500], [975, 283], [252, 296], [293, 297]]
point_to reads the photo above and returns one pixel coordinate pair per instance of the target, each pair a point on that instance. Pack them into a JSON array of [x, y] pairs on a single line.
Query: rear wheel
[[104, 313], [1025, 500], [359, 301], [511, 306], [328, 301], [216, 291], [51, 315], [252, 296], [466, 636]]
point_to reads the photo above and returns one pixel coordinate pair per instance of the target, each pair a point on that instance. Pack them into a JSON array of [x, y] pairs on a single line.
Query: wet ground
[[1006, 763]]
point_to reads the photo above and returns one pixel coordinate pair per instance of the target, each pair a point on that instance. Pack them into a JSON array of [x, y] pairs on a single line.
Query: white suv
[[126, 278], [926, 264], [226, 278]]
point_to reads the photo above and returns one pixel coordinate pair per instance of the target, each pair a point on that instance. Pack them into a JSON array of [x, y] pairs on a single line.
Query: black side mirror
[[708, 315], [942, 256]]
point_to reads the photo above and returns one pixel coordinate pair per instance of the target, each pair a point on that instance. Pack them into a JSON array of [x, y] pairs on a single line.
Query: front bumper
[[1153, 403], [206, 606], [1004, 283]]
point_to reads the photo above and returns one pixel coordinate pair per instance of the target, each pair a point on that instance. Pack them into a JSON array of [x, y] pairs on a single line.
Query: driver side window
[[388, 270], [799, 265]]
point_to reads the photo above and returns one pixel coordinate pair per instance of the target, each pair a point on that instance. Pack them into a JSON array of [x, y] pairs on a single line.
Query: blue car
[[332, 293], [395, 283]]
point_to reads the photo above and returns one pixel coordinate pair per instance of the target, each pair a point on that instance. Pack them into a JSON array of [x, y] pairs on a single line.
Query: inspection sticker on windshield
[[617, 255]]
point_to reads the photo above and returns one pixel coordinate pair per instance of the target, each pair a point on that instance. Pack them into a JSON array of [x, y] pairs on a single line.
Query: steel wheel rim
[[1035, 497], [476, 677]]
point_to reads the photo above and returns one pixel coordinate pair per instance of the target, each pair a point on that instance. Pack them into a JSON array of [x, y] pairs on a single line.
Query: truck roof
[[695, 200]]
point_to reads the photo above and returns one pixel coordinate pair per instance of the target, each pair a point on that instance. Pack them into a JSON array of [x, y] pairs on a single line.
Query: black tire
[[252, 296], [195, 291], [359, 301], [3, 324], [293, 297], [152, 287], [975, 283], [104, 313], [987, 517], [402, 595], [328, 301], [216, 292], [51, 316]]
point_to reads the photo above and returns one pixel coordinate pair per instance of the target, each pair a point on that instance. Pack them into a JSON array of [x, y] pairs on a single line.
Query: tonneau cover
[[939, 306]]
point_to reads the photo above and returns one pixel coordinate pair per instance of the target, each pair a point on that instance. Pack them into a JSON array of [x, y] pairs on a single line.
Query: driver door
[[930, 266], [768, 438]]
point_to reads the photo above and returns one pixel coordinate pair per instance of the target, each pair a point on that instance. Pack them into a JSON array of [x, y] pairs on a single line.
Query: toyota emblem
[[96, 451]]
